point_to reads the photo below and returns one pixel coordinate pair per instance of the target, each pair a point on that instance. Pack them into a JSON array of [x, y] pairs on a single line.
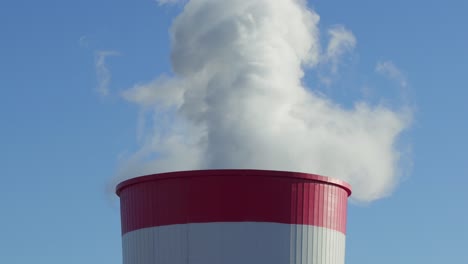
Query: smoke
[[237, 100]]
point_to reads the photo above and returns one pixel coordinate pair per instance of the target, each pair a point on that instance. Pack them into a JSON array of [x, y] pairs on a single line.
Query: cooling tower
[[233, 217]]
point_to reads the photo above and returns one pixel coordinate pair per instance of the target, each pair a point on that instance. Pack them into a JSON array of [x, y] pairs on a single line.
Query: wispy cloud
[[102, 71], [83, 41], [165, 2], [151, 94], [341, 42], [391, 71]]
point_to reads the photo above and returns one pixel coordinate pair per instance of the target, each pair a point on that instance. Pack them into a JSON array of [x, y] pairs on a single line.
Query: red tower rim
[[233, 172]]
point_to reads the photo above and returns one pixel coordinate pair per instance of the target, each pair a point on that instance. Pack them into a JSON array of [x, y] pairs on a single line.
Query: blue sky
[[62, 140]]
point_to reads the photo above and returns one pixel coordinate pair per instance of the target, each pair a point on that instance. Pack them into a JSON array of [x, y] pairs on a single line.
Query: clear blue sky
[[61, 139]]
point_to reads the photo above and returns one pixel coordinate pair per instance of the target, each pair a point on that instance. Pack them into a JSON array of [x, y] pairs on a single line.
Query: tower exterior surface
[[233, 217]]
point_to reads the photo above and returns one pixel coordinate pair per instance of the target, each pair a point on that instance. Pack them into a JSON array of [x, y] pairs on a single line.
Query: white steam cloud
[[237, 100]]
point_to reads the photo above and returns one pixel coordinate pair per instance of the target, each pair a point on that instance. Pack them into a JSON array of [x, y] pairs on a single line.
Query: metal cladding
[[233, 216]]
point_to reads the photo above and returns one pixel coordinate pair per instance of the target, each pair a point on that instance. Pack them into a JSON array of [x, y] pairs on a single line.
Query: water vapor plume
[[237, 100], [102, 71]]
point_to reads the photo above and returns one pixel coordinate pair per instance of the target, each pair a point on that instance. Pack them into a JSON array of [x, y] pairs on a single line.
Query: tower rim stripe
[[232, 196], [232, 172]]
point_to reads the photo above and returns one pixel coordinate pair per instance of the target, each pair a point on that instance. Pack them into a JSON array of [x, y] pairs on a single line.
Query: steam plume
[[237, 100], [102, 71]]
